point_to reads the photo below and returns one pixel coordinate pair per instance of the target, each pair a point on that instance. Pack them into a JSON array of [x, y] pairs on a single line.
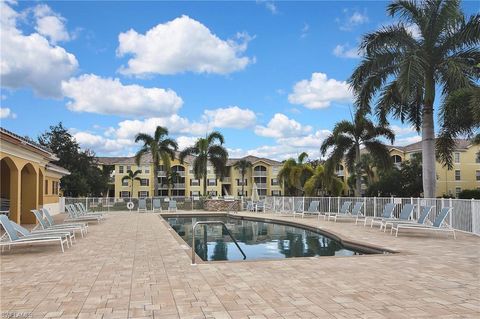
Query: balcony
[[340, 173], [179, 185], [195, 183], [180, 173], [227, 180], [162, 174], [261, 185], [260, 173]]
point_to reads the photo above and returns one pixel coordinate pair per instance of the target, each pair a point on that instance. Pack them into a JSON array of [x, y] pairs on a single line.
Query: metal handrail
[[213, 222]]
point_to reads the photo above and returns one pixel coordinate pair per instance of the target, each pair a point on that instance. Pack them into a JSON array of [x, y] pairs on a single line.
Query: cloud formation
[[91, 93], [181, 45], [345, 51], [232, 117], [6, 113], [31, 60], [50, 24], [352, 19], [320, 91]]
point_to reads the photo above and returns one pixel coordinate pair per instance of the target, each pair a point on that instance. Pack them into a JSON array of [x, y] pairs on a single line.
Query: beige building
[[464, 175], [263, 173], [28, 179]]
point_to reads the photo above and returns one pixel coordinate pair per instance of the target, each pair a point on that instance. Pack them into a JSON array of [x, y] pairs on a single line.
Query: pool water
[[258, 240]]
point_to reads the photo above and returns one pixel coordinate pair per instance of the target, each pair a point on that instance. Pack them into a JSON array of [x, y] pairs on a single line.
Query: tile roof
[[27, 141], [462, 144]]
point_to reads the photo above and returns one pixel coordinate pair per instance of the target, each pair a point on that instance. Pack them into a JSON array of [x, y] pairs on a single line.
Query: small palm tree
[[295, 173], [131, 177], [242, 166], [160, 147], [170, 180], [348, 138], [323, 181], [205, 150], [405, 68]]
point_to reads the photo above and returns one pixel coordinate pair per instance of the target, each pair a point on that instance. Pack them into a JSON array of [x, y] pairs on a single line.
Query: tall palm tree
[[405, 67], [170, 179], [160, 147], [348, 138], [208, 149], [242, 166], [294, 174], [460, 115], [131, 177], [323, 181]]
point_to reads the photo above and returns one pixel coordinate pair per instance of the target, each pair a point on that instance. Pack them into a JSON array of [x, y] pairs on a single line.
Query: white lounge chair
[[312, 209], [156, 204], [172, 206], [356, 211], [82, 227], [345, 209], [387, 214], [82, 211], [421, 220], [70, 236], [142, 205], [405, 215], [74, 216], [14, 239], [44, 226], [439, 224]]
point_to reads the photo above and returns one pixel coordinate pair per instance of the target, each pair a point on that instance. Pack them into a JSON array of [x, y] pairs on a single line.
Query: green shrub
[[469, 194]]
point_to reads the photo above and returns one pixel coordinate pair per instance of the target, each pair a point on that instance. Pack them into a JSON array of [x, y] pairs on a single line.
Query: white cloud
[[414, 31], [398, 130], [345, 51], [100, 144], [408, 140], [270, 5], [50, 24], [91, 93], [304, 31], [182, 45], [30, 60], [185, 141], [232, 116], [352, 19], [280, 126], [319, 92], [6, 113]]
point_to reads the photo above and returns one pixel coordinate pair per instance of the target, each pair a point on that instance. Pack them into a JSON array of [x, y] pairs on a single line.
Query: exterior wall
[[227, 184]]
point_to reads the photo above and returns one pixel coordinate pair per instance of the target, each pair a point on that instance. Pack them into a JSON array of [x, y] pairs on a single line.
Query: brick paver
[[132, 266]]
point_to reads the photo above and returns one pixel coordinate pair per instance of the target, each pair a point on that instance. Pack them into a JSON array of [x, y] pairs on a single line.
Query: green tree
[[170, 179], [242, 166], [205, 150], [132, 177], [405, 68], [160, 147], [326, 183], [294, 174], [348, 138], [85, 178], [459, 116]]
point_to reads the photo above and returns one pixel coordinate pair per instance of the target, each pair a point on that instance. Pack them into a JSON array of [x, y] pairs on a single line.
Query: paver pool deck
[[132, 266]]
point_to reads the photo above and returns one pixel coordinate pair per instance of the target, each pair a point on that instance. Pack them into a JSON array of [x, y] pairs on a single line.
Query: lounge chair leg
[[454, 236], [61, 243]]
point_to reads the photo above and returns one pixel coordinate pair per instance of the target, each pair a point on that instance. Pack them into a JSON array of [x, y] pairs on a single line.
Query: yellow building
[[263, 173], [28, 179], [464, 175]]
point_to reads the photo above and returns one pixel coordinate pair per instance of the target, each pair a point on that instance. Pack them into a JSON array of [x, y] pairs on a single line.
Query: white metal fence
[[465, 215]]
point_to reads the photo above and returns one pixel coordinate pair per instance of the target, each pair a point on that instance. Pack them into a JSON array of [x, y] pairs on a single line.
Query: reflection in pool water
[[259, 240]]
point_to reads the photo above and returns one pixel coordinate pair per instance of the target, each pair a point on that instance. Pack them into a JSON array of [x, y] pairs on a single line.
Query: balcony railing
[[195, 184], [340, 173], [179, 185], [259, 173], [180, 173], [262, 185], [162, 173], [227, 180]]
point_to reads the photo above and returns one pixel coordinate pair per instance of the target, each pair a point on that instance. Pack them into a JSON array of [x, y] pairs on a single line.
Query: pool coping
[[347, 242]]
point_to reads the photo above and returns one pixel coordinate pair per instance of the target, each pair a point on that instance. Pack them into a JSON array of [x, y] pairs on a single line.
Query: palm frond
[[215, 135]]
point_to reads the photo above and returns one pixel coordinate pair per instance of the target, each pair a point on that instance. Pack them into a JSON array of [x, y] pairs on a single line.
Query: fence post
[[86, 203], [364, 206], [374, 206], [474, 217], [338, 205], [303, 204], [329, 204], [283, 203], [450, 216]]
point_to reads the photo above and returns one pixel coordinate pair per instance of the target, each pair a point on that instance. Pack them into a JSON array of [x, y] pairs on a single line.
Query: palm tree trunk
[[358, 173], [428, 141], [205, 184], [243, 183]]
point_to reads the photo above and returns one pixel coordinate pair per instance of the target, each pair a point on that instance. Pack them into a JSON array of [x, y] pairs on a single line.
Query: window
[[212, 182], [178, 192], [477, 174], [142, 194], [276, 193], [125, 182], [262, 192], [274, 181], [239, 182], [129, 168], [457, 175], [144, 182], [124, 194], [54, 188], [456, 157], [46, 187], [162, 192], [120, 169], [194, 182], [147, 170], [240, 193], [194, 193]]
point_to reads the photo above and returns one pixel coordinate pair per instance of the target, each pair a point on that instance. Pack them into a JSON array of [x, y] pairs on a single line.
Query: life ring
[[130, 205]]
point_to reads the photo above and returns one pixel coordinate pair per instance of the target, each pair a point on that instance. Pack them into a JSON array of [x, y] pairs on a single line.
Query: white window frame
[[125, 182], [456, 157], [459, 175], [145, 193]]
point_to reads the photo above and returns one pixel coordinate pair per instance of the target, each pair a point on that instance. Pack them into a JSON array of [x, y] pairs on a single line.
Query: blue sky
[[269, 75]]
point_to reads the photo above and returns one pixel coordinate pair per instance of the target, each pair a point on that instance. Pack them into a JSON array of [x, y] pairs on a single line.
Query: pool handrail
[[213, 222]]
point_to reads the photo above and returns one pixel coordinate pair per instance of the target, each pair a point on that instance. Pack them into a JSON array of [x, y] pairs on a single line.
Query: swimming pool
[[259, 240]]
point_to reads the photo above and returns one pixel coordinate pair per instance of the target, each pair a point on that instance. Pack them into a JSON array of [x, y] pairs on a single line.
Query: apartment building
[[263, 173], [464, 175]]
